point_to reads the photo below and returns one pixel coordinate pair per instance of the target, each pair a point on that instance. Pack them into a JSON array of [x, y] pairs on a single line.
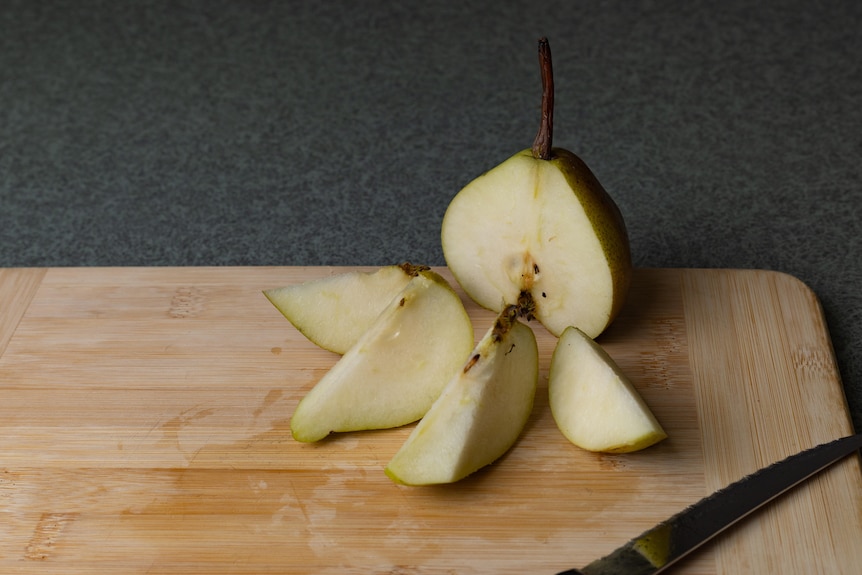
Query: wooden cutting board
[[144, 428]]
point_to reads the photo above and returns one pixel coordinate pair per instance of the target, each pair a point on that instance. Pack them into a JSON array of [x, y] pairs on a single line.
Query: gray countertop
[[307, 133]]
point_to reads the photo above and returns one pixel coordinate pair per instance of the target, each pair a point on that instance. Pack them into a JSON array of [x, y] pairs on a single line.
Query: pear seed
[[471, 363]]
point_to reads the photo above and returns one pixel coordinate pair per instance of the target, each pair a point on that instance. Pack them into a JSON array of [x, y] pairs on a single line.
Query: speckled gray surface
[[304, 133]]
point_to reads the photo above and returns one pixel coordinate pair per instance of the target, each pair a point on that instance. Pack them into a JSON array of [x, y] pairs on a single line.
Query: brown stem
[[543, 141]]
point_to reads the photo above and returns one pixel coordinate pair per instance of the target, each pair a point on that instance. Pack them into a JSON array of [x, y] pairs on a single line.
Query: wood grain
[[17, 288], [144, 429]]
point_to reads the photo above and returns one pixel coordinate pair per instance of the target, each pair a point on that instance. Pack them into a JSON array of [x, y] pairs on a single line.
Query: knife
[[658, 548]]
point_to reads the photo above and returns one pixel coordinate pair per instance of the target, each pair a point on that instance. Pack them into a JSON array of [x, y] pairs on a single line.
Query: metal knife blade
[[658, 548]]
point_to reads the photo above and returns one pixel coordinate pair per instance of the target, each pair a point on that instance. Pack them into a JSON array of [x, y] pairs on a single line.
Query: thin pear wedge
[[481, 412], [334, 312], [592, 401], [396, 369], [540, 225]]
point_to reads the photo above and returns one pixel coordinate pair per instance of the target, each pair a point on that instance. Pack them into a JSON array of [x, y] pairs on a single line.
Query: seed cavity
[[413, 270], [526, 306], [505, 321]]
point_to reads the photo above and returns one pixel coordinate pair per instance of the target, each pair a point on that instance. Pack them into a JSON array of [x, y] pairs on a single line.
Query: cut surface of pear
[[480, 413], [397, 368], [592, 401], [541, 224], [543, 227], [334, 312]]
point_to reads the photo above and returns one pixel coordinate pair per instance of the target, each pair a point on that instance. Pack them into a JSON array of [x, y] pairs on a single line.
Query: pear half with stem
[[540, 225], [398, 367], [334, 312], [593, 402], [480, 413]]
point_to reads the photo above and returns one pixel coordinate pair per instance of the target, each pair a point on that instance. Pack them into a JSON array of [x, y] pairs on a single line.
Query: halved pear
[[593, 402], [396, 369], [334, 312], [480, 413], [540, 225]]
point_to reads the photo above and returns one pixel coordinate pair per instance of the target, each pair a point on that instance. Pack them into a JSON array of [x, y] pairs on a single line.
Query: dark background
[[336, 132]]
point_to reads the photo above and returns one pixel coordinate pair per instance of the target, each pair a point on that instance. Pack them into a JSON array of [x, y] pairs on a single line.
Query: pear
[[480, 413], [334, 312], [593, 403], [541, 226], [397, 368]]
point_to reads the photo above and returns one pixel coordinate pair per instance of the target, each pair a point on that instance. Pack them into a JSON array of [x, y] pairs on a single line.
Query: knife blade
[[658, 548]]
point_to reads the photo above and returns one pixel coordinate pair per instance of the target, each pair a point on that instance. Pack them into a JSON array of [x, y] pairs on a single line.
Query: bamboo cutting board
[[144, 428]]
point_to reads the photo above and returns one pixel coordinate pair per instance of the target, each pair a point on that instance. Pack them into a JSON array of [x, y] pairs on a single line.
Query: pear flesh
[[542, 227], [398, 367], [334, 312], [479, 415], [593, 403]]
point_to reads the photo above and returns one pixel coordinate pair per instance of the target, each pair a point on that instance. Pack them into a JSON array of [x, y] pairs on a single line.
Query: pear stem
[[543, 141]]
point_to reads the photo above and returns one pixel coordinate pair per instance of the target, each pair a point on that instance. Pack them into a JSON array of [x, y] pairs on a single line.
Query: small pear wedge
[[481, 412], [398, 367], [334, 312], [592, 401]]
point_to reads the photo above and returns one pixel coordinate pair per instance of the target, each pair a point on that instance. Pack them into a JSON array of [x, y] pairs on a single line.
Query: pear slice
[[540, 225], [480, 413], [334, 312], [396, 369], [593, 403]]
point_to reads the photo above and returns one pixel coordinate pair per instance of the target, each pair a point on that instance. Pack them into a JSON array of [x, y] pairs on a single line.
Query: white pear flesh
[[334, 312], [593, 403], [479, 415], [544, 227], [396, 370]]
